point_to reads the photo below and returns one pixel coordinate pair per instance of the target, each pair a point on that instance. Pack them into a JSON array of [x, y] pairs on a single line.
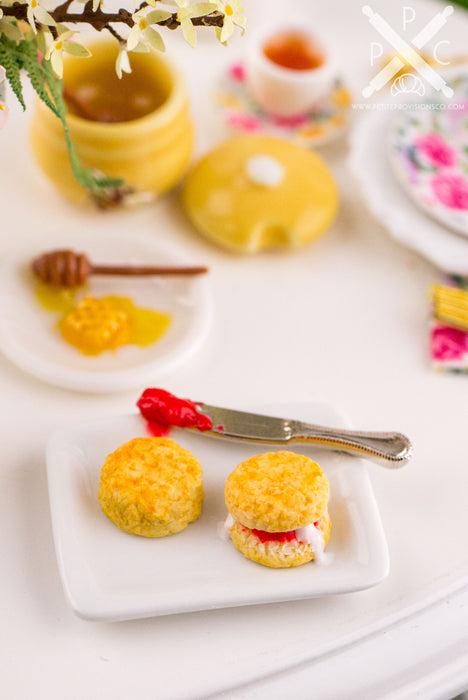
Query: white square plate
[[109, 574]]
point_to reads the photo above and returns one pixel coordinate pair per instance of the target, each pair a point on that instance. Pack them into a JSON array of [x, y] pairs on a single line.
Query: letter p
[[409, 14], [376, 51]]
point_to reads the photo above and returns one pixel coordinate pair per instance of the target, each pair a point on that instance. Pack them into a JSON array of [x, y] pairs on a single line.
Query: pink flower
[[290, 122], [436, 149], [448, 343], [451, 190], [244, 122], [237, 71]]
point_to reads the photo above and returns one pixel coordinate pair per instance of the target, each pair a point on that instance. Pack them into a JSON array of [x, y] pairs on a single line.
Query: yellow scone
[[257, 192], [151, 487], [278, 505]]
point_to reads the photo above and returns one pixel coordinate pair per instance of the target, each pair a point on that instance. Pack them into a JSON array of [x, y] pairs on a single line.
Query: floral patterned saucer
[[428, 152], [324, 122]]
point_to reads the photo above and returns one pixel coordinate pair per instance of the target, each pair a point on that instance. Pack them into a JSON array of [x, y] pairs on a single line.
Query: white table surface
[[343, 321]]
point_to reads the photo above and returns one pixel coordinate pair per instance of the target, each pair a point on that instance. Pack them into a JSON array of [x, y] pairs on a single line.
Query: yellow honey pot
[[146, 136]]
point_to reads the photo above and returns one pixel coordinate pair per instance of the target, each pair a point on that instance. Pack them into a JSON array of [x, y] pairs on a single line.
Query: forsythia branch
[[98, 19]]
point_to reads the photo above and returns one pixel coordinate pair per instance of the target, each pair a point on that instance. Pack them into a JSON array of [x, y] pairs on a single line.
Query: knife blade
[[389, 449]]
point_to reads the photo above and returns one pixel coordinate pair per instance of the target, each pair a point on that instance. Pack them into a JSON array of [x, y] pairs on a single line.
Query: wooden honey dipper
[[65, 268]]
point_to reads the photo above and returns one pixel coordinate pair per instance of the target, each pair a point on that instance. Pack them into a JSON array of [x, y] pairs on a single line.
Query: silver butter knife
[[391, 450]]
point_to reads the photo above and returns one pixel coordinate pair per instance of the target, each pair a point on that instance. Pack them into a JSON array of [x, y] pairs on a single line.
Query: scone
[[278, 506], [151, 487]]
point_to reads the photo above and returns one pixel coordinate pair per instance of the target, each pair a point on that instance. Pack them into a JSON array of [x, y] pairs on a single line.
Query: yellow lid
[[257, 192]]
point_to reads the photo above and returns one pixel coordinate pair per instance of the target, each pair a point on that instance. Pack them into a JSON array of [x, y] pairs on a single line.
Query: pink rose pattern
[[448, 343], [237, 72], [290, 122], [433, 153], [243, 113], [244, 122], [451, 190], [436, 149]]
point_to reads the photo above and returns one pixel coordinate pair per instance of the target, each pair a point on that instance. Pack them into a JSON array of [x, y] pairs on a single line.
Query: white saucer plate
[[31, 340], [323, 123]]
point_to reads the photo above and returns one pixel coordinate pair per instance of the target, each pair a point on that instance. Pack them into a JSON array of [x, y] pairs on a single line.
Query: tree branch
[[100, 20], [114, 33]]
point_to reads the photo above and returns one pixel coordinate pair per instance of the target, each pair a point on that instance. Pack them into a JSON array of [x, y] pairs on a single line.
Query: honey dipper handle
[[65, 268], [135, 270]]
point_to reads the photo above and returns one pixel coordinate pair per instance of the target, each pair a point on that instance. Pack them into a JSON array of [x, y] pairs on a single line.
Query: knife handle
[[391, 450]]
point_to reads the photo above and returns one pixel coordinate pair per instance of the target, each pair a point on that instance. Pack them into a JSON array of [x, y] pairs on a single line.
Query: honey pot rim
[[159, 117]]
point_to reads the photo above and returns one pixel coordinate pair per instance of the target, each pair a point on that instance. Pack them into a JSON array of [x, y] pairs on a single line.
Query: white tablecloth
[[343, 321]]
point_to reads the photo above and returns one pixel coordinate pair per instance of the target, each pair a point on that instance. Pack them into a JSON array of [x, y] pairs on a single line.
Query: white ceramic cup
[[287, 91]]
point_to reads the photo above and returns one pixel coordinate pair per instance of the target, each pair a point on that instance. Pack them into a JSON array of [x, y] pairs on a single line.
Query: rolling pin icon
[[412, 57]]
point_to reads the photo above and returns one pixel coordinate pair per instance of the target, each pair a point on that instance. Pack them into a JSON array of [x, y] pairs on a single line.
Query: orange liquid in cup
[[293, 50]]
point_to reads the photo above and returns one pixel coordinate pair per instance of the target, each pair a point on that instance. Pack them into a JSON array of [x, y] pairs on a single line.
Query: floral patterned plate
[[449, 345], [323, 123], [428, 152], [388, 202]]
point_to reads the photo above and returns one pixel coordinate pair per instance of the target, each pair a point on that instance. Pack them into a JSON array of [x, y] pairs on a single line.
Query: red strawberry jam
[[264, 536], [162, 410], [286, 536]]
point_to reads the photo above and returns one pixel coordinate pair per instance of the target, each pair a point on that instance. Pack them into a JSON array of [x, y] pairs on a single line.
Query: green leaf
[[12, 62], [94, 183], [15, 57], [37, 81]]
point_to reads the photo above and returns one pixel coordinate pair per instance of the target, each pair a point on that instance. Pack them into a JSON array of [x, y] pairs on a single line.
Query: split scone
[[151, 487], [278, 509]]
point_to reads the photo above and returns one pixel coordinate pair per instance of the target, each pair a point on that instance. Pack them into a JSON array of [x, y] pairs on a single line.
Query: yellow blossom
[[143, 33], [187, 12], [63, 44], [233, 17], [10, 29], [37, 13], [341, 97], [122, 64]]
